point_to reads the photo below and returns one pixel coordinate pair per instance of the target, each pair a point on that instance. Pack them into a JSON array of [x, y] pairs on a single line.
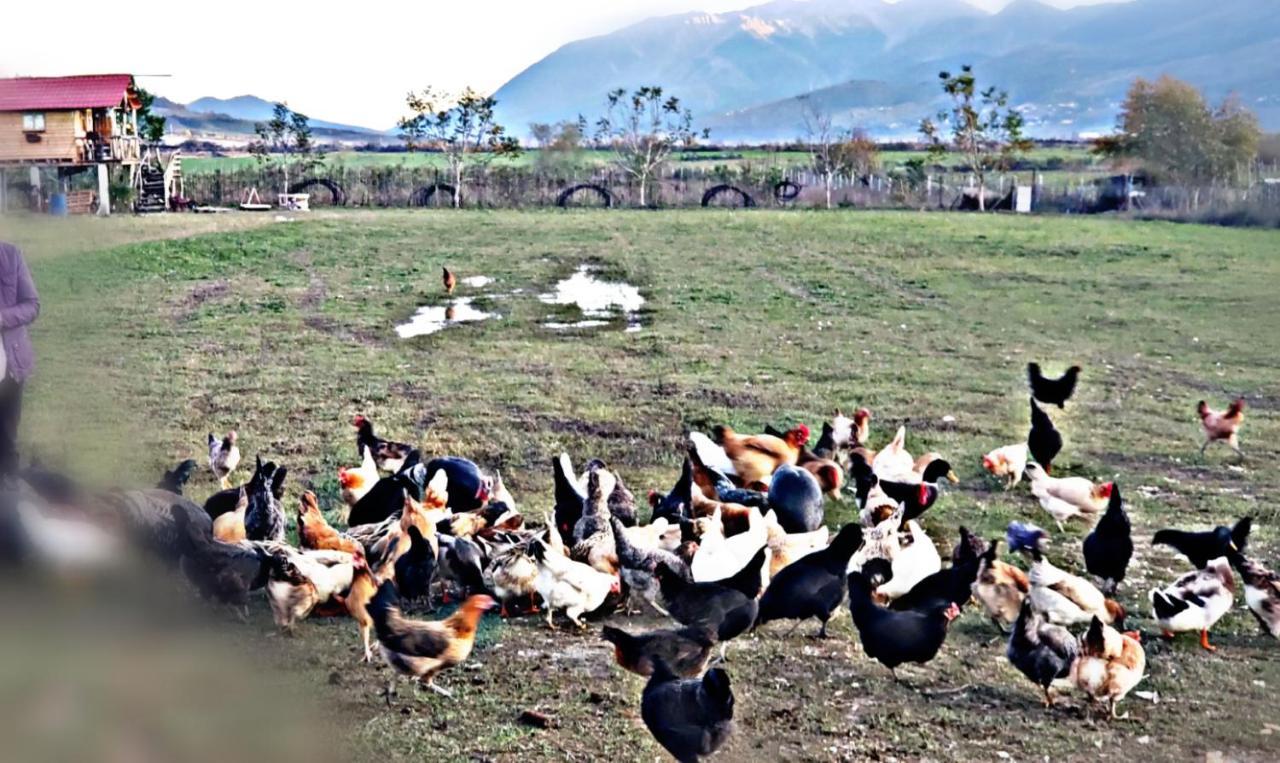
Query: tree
[[1168, 128], [150, 126], [559, 145], [285, 140], [642, 129], [463, 128], [984, 129], [833, 151]]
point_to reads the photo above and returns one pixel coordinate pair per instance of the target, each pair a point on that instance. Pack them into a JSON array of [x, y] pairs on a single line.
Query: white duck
[[1196, 601]]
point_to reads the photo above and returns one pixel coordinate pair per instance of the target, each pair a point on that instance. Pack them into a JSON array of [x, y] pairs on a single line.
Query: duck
[[1261, 592], [1195, 601]]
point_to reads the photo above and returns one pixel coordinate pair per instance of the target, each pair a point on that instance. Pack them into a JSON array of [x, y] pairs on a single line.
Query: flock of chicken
[[737, 543]]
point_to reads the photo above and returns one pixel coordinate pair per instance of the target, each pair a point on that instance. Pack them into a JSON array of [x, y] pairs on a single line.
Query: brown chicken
[[396, 543], [314, 531], [756, 457], [449, 280], [1222, 426], [357, 598], [1109, 665], [422, 649], [1000, 588], [229, 527]]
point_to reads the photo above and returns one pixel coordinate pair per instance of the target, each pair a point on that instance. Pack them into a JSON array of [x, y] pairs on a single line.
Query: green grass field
[[165, 328]]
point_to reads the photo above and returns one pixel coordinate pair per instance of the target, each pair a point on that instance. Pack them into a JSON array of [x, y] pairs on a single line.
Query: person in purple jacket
[[19, 306]]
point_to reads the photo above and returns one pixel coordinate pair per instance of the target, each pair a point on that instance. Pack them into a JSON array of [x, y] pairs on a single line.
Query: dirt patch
[[199, 295], [330, 326]]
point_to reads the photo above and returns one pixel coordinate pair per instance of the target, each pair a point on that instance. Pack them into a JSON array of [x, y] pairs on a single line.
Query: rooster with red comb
[[756, 457]]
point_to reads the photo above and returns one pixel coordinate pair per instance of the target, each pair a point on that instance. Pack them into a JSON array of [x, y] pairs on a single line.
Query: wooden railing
[[117, 148]]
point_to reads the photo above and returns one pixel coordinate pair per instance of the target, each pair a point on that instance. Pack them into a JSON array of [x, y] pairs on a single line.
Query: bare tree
[[985, 130], [643, 129], [834, 151], [285, 140], [463, 128]]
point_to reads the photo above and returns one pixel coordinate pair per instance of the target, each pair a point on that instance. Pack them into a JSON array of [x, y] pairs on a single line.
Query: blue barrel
[[58, 204]]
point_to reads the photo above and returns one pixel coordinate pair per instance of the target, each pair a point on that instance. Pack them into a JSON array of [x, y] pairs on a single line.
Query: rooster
[[422, 649], [1221, 426], [756, 457], [1109, 665], [358, 481], [449, 280], [224, 457]]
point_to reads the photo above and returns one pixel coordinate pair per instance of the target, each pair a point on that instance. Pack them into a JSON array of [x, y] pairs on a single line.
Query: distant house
[[69, 122]]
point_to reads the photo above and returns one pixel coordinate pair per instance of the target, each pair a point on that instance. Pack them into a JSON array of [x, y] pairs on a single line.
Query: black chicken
[[690, 718], [416, 567], [1041, 650], [264, 518], [386, 497], [1200, 547], [224, 572], [569, 495], [686, 650], [862, 478], [727, 605], [676, 504], [1052, 391], [1109, 547], [462, 562], [1044, 441], [225, 501], [813, 585], [892, 637], [176, 479]]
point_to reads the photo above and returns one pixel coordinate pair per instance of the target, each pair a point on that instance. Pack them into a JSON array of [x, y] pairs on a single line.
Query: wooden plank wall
[[58, 141]]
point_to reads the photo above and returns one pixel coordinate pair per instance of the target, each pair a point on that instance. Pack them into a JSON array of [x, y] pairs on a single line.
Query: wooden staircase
[[156, 183]]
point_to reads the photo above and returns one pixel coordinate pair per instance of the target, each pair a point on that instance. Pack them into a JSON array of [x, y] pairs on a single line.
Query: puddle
[[600, 301], [433, 318], [477, 282]]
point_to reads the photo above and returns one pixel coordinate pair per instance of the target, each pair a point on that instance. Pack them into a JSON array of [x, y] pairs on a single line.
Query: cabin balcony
[[124, 149]]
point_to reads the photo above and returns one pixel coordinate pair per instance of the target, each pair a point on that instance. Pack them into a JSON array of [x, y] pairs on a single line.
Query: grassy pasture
[[168, 327]]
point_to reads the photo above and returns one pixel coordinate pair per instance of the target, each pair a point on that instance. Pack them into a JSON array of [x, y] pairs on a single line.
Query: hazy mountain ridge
[[234, 118], [741, 72]]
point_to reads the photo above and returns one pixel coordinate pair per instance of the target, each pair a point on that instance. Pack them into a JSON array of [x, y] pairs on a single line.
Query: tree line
[[1165, 129]]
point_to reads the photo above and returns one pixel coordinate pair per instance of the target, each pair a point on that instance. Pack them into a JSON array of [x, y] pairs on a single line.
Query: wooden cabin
[[70, 123]]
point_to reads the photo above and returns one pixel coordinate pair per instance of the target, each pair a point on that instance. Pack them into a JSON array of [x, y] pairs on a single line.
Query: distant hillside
[[875, 64], [233, 119]]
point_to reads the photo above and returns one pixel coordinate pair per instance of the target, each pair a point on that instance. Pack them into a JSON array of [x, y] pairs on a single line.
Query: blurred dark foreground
[[122, 663]]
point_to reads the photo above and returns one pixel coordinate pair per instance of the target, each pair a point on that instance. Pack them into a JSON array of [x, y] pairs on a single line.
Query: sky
[[352, 66]]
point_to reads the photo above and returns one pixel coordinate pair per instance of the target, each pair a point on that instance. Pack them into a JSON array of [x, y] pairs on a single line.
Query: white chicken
[[573, 587], [1067, 599], [300, 581], [786, 547], [224, 457], [1079, 492], [711, 454], [1009, 462], [911, 564], [719, 557]]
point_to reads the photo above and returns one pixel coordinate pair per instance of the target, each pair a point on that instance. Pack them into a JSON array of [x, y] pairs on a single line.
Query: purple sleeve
[[27, 305]]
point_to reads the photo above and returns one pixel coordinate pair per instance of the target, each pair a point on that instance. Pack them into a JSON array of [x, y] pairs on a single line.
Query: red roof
[[91, 91]]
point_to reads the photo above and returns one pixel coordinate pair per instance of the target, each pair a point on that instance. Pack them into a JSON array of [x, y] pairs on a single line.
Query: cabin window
[[33, 122]]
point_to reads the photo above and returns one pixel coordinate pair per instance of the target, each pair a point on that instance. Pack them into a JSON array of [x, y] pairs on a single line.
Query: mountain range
[[874, 64], [233, 119]]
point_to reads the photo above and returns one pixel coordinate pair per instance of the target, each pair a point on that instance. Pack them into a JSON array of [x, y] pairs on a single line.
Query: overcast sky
[[352, 66]]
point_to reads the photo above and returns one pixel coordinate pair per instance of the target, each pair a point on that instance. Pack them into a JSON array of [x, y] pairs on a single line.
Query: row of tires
[[782, 192]]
